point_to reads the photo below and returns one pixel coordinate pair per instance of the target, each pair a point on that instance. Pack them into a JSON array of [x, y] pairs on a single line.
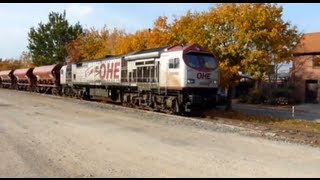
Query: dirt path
[[43, 136]]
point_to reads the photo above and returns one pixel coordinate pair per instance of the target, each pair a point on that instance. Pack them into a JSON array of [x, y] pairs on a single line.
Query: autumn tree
[[189, 29], [73, 51], [26, 60], [160, 34], [93, 44], [132, 42], [115, 36], [10, 64], [245, 37], [46, 43]]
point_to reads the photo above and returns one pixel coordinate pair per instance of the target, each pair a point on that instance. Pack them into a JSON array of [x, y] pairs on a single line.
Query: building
[[305, 72]]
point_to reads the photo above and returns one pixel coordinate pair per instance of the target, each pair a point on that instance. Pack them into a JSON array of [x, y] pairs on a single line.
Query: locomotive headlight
[[215, 82], [190, 81]]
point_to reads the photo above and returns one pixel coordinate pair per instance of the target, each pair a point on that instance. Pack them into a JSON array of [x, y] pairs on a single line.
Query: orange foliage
[[23, 62], [242, 36]]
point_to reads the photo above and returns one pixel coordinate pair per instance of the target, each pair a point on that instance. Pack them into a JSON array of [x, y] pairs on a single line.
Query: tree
[[245, 37], [131, 42], [188, 29], [46, 43], [25, 60], [94, 44], [160, 34], [10, 64]]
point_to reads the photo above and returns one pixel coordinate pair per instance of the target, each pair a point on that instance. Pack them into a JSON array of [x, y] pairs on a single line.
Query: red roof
[[309, 43]]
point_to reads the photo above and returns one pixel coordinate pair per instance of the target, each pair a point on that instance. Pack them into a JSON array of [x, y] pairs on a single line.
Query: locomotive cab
[[201, 82], [192, 72], [201, 70]]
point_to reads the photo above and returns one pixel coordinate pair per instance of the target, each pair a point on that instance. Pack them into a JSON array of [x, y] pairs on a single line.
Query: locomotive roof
[[108, 57], [158, 49]]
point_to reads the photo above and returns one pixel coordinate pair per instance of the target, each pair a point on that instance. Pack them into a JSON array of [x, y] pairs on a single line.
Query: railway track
[[106, 100]]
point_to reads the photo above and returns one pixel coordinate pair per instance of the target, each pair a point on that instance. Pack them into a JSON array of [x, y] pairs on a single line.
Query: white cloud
[[79, 10]]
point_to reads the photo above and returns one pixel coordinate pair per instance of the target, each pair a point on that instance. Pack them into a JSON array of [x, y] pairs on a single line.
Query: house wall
[[303, 70]]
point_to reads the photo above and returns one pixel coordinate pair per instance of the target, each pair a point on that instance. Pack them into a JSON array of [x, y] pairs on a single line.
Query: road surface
[[43, 136], [309, 112]]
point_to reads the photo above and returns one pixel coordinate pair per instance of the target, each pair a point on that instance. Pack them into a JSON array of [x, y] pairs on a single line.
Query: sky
[[16, 19]]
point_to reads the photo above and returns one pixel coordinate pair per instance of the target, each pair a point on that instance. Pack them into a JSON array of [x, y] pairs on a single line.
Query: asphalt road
[[306, 111]]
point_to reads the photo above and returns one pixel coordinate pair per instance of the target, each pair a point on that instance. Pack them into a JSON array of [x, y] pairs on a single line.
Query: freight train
[[180, 79]]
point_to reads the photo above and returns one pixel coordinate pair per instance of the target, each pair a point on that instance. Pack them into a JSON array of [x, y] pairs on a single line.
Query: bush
[[243, 98], [256, 96], [269, 95]]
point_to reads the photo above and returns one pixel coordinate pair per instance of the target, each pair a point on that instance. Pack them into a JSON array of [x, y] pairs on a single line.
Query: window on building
[[174, 63], [316, 60]]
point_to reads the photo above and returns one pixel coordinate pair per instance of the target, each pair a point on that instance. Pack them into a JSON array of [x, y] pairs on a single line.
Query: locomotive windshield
[[201, 62]]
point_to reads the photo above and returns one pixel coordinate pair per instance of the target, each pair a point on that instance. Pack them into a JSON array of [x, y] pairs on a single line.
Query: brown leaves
[[23, 62]]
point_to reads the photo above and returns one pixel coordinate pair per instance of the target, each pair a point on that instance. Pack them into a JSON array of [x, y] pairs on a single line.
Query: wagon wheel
[[55, 91], [32, 88]]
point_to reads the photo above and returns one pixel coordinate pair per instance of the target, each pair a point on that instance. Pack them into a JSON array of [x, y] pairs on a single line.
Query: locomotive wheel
[[176, 108], [114, 95]]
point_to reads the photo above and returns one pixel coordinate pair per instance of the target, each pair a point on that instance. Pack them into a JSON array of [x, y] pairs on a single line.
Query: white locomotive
[[180, 79]]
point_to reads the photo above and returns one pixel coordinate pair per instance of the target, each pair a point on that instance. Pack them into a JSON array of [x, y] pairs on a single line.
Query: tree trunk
[[229, 99]]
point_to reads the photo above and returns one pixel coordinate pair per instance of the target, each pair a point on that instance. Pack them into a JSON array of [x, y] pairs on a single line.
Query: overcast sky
[[16, 19]]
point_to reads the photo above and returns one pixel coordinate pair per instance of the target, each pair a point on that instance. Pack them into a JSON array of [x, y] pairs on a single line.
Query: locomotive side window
[[174, 63], [61, 72], [79, 65]]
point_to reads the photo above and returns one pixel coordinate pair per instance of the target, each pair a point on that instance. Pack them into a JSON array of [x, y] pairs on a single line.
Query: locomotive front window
[[193, 61], [209, 62], [201, 62]]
